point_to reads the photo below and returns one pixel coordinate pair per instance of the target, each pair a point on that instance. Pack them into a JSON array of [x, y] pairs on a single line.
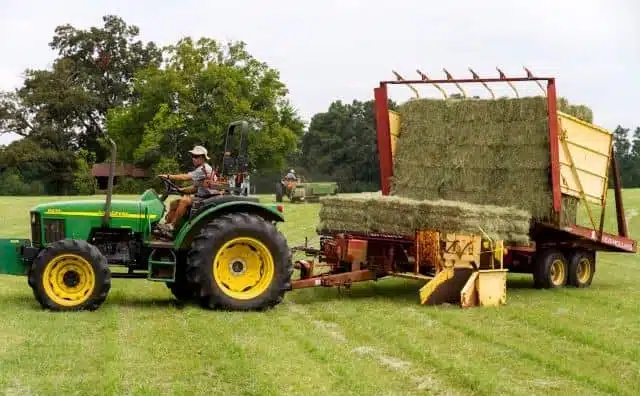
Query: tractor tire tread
[[82, 248], [212, 235]]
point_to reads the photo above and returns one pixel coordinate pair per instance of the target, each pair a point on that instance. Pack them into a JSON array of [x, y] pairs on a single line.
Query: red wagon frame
[[596, 239]]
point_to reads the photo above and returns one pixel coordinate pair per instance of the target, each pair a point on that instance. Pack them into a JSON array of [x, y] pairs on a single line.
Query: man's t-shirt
[[198, 176]]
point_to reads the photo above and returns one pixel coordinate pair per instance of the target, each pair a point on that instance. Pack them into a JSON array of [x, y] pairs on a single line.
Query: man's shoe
[[164, 231]]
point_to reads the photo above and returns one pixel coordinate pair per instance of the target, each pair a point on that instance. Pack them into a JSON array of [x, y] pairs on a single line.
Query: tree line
[[157, 102]]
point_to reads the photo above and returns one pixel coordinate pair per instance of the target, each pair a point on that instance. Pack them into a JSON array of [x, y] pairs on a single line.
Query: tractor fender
[[190, 228]]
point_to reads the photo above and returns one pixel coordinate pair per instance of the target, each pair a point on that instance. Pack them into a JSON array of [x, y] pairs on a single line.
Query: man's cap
[[199, 150]]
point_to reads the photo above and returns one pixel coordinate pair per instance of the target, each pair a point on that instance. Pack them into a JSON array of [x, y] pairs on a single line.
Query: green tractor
[[299, 191], [227, 252]]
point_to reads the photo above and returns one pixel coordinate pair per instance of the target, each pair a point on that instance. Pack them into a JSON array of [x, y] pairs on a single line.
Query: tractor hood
[[90, 208], [149, 207]]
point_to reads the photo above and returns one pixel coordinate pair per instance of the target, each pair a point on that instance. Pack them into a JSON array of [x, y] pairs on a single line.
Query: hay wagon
[[469, 268]]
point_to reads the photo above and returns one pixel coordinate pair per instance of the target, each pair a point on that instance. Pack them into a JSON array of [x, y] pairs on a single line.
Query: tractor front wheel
[[70, 275], [240, 262]]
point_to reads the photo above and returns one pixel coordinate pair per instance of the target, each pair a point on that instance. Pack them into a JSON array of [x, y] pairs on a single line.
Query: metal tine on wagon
[[450, 77], [477, 77], [504, 77], [530, 75], [425, 78], [411, 87]]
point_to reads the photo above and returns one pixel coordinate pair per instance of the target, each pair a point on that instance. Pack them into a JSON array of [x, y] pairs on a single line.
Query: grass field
[[374, 339]]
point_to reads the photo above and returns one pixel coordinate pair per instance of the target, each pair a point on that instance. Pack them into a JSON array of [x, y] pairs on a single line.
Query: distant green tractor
[[298, 191], [226, 253]]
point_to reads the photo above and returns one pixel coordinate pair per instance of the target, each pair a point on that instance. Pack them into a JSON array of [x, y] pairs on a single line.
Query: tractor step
[[162, 265]]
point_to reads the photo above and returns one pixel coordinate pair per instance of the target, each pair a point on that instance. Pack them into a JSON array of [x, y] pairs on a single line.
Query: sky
[[340, 49]]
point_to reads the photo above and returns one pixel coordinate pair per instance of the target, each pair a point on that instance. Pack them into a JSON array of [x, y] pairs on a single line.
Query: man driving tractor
[[291, 176], [203, 177]]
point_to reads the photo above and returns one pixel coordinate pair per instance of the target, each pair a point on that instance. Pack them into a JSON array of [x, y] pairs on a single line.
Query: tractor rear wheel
[[181, 289], [240, 262], [70, 275]]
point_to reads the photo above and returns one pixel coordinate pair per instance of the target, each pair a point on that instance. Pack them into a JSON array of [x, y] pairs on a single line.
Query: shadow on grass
[[28, 301], [392, 289]]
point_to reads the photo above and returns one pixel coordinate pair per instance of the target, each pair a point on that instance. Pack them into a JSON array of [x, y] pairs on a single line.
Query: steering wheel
[[169, 188]]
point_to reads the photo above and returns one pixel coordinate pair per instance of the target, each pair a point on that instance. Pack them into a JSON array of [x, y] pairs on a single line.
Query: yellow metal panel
[[586, 148], [469, 293], [492, 287], [427, 290], [394, 129]]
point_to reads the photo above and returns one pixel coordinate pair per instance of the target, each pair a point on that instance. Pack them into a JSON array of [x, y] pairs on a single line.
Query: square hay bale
[[372, 212], [492, 152]]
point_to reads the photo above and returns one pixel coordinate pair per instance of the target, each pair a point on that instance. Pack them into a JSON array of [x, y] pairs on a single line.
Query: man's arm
[[189, 190], [181, 177]]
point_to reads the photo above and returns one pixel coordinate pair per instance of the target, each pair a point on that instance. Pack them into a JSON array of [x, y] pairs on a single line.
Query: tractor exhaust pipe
[[112, 172]]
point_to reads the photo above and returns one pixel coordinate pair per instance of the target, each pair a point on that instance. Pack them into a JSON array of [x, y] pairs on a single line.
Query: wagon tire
[[551, 269], [581, 269]]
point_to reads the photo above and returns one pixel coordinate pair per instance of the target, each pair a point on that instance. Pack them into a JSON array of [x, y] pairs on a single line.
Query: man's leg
[[181, 210], [177, 209], [173, 206]]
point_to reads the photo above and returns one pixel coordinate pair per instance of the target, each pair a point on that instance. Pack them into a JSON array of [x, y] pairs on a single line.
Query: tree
[[623, 153], [191, 99], [93, 73], [59, 111], [341, 145]]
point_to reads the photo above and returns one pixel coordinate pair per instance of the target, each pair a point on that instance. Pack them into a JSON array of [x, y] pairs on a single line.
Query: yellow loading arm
[[469, 272]]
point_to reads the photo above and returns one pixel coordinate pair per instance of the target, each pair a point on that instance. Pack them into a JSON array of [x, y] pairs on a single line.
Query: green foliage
[[627, 152], [83, 181], [202, 87], [61, 110], [341, 146], [13, 183], [130, 185], [104, 77], [38, 160]]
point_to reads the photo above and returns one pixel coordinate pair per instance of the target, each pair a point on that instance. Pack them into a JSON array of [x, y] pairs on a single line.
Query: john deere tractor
[[226, 253]]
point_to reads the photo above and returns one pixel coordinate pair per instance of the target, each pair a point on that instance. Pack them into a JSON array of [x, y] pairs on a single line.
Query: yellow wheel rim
[[68, 280], [243, 268], [584, 270], [557, 272]]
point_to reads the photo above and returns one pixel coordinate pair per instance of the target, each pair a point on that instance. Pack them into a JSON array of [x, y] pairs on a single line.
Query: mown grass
[[372, 339]]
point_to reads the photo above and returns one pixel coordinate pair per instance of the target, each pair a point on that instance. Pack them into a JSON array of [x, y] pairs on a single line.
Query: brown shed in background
[[101, 173]]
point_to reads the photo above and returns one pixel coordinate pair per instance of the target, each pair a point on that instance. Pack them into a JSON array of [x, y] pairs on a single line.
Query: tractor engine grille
[[53, 230], [35, 229]]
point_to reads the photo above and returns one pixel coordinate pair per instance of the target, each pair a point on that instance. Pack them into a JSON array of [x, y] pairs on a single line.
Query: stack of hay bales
[[480, 151], [463, 166], [372, 212]]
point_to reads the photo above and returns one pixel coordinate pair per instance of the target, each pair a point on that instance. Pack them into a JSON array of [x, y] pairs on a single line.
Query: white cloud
[[341, 49]]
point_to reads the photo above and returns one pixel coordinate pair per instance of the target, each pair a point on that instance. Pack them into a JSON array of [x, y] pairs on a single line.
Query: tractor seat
[[202, 204]]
